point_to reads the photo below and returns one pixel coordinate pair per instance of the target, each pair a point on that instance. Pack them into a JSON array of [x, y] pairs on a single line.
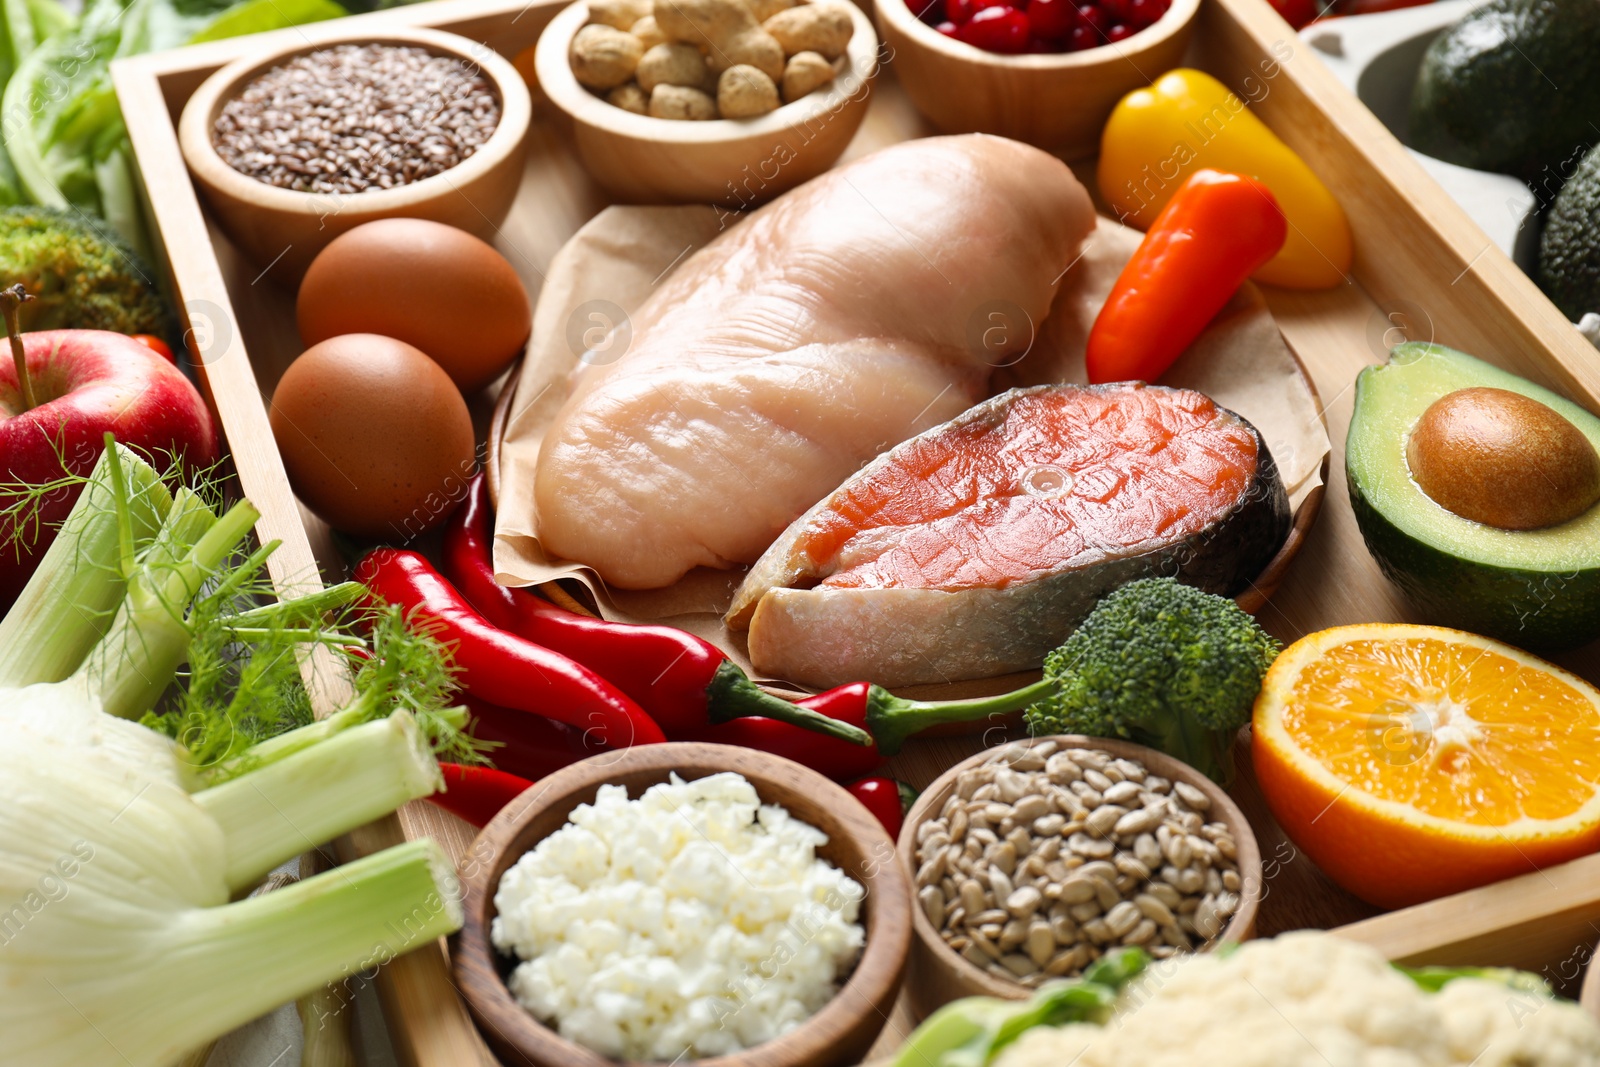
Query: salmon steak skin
[[976, 548], [835, 322]]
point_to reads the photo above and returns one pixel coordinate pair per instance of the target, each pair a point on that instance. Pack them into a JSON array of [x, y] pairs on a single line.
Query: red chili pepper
[[477, 794], [686, 683], [528, 745], [891, 720], [826, 755], [887, 799], [1212, 235], [156, 345], [503, 668]]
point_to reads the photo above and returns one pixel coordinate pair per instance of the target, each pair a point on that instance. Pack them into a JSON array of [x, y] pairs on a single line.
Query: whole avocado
[[1569, 250], [1512, 87]]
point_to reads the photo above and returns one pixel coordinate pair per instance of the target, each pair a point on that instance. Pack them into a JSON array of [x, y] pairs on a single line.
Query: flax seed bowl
[[1030, 860], [293, 146], [639, 158]]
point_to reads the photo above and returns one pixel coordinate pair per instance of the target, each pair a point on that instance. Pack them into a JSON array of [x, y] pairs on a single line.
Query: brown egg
[[1503, 459], [375, 436], [427, 284]]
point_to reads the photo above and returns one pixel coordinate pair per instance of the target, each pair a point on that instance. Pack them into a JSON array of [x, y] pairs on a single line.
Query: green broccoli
[[1162, 664], [1156, 662], [83, 276]]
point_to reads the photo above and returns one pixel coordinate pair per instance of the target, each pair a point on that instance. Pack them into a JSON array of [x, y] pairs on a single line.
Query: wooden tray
[[1423, 271]]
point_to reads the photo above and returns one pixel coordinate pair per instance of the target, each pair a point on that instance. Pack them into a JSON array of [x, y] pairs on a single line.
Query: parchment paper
[[615, 261]]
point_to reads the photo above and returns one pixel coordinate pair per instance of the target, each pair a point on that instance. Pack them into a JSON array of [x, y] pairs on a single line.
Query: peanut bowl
[[837, 1035], [733, 162], [1058, 102], [1149, 885], [281, 229]]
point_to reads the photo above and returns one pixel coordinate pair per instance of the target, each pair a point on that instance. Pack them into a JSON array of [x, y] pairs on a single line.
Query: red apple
[[84, 383]]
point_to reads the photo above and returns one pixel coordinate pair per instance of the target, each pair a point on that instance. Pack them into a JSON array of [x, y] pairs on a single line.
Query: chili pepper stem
[[10, 300], [732, 695], [892, 719]]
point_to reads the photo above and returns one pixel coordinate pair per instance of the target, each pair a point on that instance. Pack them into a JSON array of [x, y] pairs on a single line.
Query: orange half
[[1410, 762]]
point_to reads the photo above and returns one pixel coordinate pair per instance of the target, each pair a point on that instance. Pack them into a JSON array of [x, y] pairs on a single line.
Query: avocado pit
[[1503, 459]]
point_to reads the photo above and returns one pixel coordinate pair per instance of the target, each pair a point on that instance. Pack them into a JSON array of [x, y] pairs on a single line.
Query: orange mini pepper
[[1187, 120], [1215, 231]]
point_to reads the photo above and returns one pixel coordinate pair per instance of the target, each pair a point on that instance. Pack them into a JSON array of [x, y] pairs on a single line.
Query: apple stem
[[10, 300]]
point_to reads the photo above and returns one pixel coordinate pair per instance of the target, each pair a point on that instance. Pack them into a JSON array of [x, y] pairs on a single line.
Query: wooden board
[[1423, 271]]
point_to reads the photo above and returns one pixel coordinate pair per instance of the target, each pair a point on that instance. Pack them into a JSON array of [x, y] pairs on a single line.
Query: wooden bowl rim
[[1239, 928], [1177, 19], [556, 79], [199, 115], [1589, 994], [870, 989]]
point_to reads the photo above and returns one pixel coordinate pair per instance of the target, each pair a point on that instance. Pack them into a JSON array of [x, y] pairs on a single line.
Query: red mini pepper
[[685, 682], [528, 745], [887, 799], [477, 794], [503, 668], [1212, 235]]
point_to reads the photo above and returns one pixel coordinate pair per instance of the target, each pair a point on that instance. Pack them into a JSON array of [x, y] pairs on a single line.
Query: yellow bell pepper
[[1188, 120]]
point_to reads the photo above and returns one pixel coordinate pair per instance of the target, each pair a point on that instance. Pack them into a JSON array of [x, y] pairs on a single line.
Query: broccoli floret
[[1161, 664], [82, 275]]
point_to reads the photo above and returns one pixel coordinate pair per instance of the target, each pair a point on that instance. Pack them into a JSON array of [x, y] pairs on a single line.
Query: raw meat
[[976, 548], [835, 322]]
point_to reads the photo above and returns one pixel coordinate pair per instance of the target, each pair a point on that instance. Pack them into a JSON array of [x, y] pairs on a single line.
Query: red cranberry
[[997, 29], [1116, 10], [1119, 31], [1083, 36], [1144, 13], [931, 11], [960, 12], [1052, 19], [1094, 16], [948, 29]]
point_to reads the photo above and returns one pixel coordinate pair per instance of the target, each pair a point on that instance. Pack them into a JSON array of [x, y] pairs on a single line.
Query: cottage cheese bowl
[[683, 901]]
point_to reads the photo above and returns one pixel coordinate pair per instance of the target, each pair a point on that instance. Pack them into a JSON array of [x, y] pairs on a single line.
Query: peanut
[[726, 30], [648, 32], [681, 102], [620, 14], [604, 57], [671, 64], [823, 28], [630, 97]]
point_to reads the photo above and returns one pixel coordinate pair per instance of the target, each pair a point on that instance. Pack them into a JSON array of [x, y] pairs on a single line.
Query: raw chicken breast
[[835, 322]]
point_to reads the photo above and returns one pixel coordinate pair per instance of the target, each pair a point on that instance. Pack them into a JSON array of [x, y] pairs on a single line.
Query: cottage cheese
[[694, 920]]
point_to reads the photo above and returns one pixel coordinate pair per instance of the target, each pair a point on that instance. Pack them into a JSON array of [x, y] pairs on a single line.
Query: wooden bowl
[[283, 230], [1058, 102], [735, 162], [839, 1034], [938, 974], [1589, 995]]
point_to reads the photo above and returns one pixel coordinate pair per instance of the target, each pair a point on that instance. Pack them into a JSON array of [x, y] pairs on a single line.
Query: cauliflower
[[1312, 1000]]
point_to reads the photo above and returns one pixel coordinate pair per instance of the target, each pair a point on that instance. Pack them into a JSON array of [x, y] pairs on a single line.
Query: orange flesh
[[1458, 732], [1067, 477]]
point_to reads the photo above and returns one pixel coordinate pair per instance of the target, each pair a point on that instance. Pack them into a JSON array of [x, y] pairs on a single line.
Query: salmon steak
[[835, 322], [977, 547]]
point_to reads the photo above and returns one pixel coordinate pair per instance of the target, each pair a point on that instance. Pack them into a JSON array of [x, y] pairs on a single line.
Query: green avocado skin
[[1569, 250], [1512, 87], [1541, 611]]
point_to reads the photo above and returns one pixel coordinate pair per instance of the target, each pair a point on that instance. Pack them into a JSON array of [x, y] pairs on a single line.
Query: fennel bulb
[[122, 841]]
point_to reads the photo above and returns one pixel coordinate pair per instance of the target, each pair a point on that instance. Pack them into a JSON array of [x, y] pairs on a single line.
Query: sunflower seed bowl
[[1031, 860]]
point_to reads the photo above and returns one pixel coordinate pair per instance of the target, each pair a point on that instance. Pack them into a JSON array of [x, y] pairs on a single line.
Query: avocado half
[[1538, 589]]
